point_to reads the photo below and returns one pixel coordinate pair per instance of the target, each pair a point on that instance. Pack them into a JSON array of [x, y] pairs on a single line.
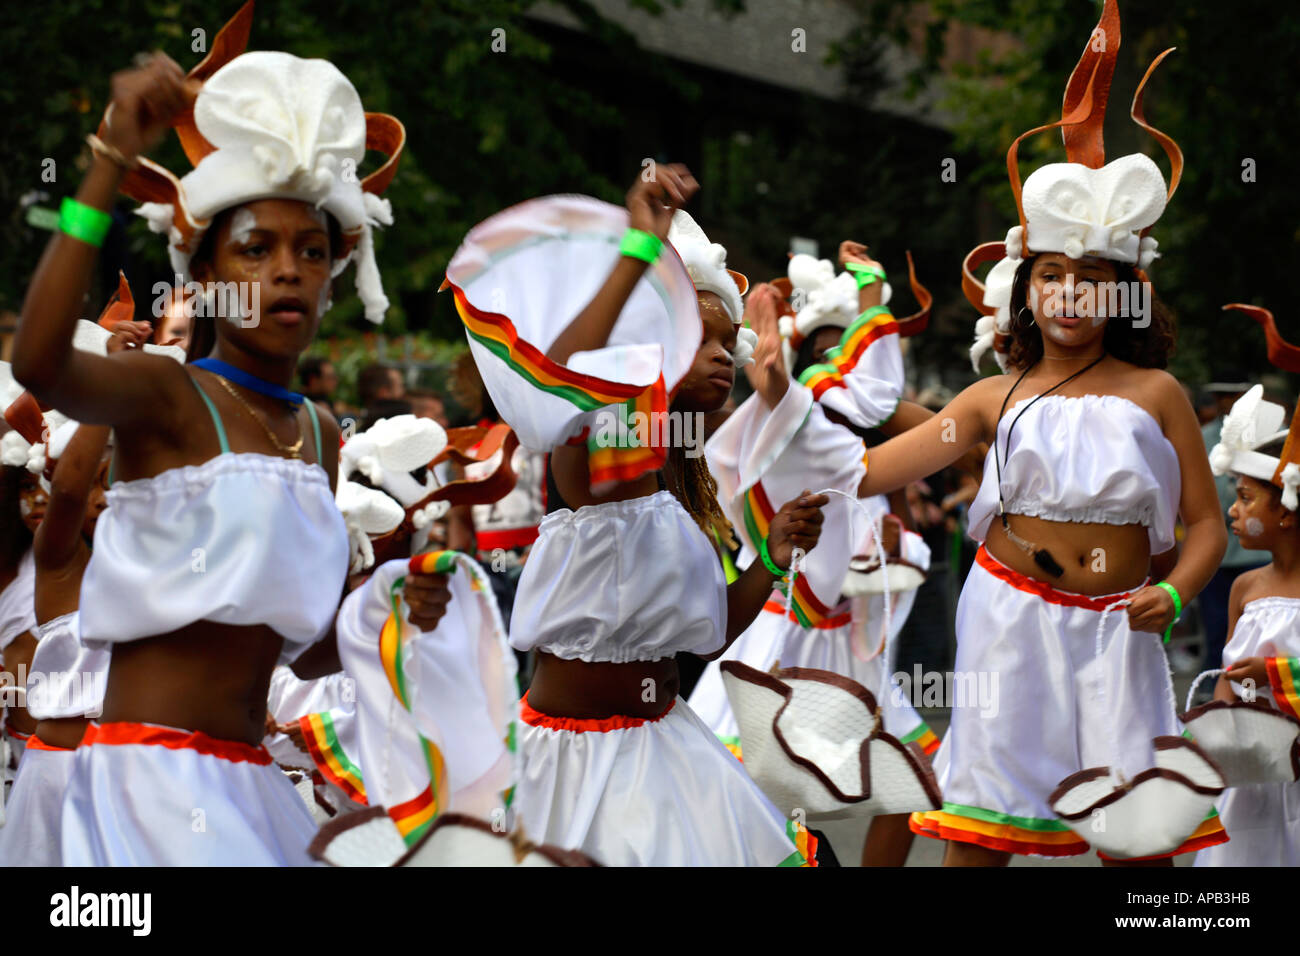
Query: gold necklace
[[294, 450]]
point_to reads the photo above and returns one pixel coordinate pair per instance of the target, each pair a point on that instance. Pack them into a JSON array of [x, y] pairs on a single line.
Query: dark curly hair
[[1147, 347]]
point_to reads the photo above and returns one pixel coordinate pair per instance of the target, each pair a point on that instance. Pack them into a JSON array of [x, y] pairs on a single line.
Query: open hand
[[767, 373]]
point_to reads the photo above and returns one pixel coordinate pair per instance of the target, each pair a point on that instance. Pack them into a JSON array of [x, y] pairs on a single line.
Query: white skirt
[[30, 836], [1056, 709], [144, 795], [631, 791]]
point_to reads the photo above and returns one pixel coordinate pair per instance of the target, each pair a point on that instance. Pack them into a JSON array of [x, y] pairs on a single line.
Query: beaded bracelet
[[640, 245], [83, 222], [1178, 607]]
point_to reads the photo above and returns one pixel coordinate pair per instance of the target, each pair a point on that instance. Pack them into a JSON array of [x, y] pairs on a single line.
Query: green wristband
[[864, 274], [768, 562], [1178, 607], [640, 245], [83, 222]]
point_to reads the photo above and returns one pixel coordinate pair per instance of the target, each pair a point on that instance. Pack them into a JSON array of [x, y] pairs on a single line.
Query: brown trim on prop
[[1260, 706], [331, 830], [523, 845], [1162, 743], [776, 682]]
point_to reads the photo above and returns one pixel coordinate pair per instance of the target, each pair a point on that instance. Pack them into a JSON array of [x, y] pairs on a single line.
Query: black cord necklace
[[1042, 557]]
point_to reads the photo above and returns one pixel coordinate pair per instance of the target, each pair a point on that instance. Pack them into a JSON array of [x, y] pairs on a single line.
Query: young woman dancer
[[1264, 622], [624, 575], [222, 470], [1096, 451]]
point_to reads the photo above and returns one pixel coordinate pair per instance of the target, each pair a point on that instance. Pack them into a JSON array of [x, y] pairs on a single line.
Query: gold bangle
[[111, 153]]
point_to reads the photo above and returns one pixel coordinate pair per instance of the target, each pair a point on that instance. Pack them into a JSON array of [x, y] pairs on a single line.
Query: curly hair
[[1146, 347]]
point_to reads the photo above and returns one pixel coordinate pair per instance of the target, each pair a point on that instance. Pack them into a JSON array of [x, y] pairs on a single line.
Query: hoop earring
[[1020, 315]]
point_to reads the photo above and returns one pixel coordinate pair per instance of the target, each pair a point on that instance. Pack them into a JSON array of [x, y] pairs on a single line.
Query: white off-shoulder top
[[1092, 459]]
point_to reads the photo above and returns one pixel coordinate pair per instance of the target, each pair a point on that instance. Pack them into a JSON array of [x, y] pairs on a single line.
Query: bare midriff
[[592, 691], [65, 732], [208, 677], [1097, 558]]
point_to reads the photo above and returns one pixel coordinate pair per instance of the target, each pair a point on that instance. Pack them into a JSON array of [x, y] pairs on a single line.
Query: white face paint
[[242, 225], [1254, 527]]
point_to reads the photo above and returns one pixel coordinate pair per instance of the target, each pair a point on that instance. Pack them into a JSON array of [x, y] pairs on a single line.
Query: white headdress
[[269, 125], [707, 264]]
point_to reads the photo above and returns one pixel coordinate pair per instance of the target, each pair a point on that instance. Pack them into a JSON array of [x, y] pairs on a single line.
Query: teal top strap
[[315, 430], [216, 419]]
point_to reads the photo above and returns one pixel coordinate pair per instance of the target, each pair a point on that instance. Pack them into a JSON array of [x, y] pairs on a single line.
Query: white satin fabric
[[18, 602], [623, 581], [67, 679], [773, 455], [664, 793], [31, 834], [289, 698], [1097, 459], [241, 539], [538, 264], [1263, 819], [156, 805], [1057, 708], [461, 683]]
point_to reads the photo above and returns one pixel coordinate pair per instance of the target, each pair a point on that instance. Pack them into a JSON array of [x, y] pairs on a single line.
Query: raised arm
[[650, 207], [92, 388], [58, 538], [932, 445]]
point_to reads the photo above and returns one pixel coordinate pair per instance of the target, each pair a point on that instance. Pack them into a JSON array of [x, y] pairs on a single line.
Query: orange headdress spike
[[24, 416], [230, 41], [1084, 105], [1281, 353], [1170, 147], [974, 289], [1083, 141], [741, 280], [121, 307], [918, 320], [387, 135]]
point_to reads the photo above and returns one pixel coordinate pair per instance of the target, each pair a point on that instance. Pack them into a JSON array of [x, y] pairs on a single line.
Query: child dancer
[[1264, 621], [624, 574], [1096, 451], [225, 471]]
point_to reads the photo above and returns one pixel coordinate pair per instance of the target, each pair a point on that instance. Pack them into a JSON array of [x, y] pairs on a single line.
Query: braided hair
[[694, 487]]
